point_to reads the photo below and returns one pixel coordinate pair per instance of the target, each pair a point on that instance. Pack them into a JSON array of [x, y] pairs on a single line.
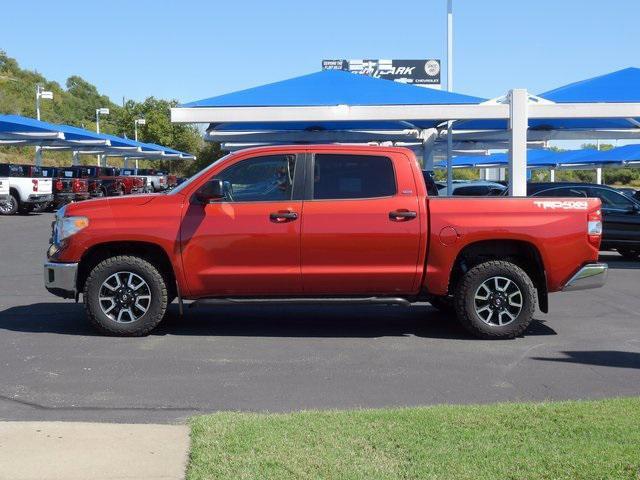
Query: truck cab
[[27, 188]]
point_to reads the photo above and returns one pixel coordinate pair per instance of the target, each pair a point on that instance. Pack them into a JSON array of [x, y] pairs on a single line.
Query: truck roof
[[327, 147]]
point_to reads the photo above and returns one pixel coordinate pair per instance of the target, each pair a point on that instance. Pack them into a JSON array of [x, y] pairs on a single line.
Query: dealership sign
[[423, 73]]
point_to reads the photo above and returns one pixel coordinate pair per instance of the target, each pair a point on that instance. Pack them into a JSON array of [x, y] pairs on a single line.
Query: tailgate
[[44, 186]]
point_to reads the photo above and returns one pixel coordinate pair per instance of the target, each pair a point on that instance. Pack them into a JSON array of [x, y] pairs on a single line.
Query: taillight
[[59, 186], [35, 184], [594, 227]]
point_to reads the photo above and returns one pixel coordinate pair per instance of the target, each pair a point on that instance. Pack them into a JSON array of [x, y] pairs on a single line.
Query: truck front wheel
[[125, 296], [495, 300]]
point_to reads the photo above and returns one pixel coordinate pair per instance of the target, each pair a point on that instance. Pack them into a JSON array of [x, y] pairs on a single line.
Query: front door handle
[[401, 215], [283, 216]]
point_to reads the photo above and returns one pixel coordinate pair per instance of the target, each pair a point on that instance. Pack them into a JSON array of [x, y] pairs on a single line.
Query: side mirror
[[213, 190]]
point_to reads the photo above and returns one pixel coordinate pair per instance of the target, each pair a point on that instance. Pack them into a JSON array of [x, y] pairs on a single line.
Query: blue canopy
[[29, 131], [591, 158], [585, 158], [18, 127], [331, 88], [622, 86], [535, 159], [334, 87]]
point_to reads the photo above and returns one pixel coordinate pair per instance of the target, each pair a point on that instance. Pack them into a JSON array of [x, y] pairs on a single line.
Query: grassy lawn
[[558, 440]]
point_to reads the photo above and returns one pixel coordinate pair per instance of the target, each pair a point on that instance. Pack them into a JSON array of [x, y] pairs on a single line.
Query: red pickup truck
[[322, 224]]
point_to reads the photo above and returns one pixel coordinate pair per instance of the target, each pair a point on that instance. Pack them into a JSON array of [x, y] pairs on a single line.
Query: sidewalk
[[81, 451]]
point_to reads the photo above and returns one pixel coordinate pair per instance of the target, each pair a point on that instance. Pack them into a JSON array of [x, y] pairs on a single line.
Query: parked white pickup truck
[[27, 188]]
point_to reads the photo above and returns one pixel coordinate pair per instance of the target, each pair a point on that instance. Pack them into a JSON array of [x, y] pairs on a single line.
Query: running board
[[303, 301]]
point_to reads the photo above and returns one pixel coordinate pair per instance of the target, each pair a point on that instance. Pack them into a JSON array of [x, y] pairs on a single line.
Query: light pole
[[100, 111], [48, 95], [136, 122], [449, 88]]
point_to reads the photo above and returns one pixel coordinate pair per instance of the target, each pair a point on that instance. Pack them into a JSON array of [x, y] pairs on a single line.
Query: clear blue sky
[[192, 49]]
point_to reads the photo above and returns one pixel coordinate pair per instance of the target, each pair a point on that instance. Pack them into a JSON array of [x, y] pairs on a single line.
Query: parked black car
[[620, 213], [630, 192], [432, 188]]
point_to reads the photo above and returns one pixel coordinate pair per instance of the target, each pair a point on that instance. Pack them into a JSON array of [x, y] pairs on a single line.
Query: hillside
[[75, 104]]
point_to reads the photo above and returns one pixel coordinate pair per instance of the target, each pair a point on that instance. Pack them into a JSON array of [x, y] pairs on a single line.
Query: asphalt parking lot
[[55, 367]]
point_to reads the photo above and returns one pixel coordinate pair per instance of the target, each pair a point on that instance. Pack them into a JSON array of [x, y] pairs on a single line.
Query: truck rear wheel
[[9, 206], [495, 300], [125, 296]]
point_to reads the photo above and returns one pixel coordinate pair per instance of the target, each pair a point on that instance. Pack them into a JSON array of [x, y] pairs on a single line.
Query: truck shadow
[[603, 358], [264, 321]]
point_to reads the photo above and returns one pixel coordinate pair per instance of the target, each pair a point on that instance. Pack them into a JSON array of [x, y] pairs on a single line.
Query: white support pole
[[552, 174], [449, 158], [125, 162], [75, 161], [450, 45], [599, 175], [518, 125], [38, 159]]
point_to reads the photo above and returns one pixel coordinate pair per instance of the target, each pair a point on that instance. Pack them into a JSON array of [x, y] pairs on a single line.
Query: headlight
[[66, 226]]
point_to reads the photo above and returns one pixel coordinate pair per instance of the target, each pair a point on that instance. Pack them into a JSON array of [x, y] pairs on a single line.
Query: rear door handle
[[402, 214], [283, 216]]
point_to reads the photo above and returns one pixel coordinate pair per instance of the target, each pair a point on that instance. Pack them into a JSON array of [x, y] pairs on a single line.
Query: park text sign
[[422, 73]]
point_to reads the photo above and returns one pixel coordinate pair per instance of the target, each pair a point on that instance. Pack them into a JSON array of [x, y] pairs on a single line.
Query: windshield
[[191, 179]]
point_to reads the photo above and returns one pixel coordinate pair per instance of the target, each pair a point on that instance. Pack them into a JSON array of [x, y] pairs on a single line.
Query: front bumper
[[60, 279], [592, 275]]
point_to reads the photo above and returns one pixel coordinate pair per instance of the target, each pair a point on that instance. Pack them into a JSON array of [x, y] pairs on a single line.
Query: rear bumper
[[66, 197], [60, 279], [592, 275], [39, 199]]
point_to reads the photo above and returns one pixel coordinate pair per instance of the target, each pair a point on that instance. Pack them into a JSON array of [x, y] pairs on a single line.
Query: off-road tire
[[14, 203], [150, 274], [630, 253], [465, 304]]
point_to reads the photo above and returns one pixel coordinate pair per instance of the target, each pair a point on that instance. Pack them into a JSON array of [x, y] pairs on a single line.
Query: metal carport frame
[[517, 111]]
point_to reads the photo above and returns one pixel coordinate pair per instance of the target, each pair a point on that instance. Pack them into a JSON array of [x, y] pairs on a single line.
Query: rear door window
[[339, 176]]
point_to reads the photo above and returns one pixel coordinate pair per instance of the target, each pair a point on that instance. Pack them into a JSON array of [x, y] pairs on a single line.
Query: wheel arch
[[149, 251], [16, 194], [523, 253]]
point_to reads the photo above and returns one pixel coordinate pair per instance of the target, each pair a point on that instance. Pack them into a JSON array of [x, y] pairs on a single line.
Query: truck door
[[248, 243], [361, 225]]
